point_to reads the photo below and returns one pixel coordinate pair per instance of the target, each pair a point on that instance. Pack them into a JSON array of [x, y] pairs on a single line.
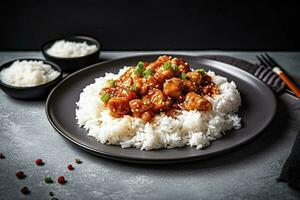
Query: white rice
[[68, 49], [191, 128], [28, 73]]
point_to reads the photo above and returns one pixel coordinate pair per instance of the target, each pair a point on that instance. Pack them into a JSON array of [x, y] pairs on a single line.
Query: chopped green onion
[[139, 69], [175, 67], [140, 65], [183, 75], [201, 71], [78, 161], [133, 87], [148, 72], [167, 65], [105, 97], [112, 83], [48, 179]]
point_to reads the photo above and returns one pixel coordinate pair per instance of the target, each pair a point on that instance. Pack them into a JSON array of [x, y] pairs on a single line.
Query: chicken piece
[[147, 116], [190, 86], [159, 100], [125, 80], [118, 106], [183, 66], [139, 106], [194, 101], [141, 86], [161, 75], [194, 76], [173, 87]]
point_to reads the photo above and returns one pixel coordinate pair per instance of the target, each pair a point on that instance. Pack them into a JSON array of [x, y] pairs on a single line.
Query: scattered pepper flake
[[70, 167], [78, 161], [39, 162], [48, 179], [20, 175], [61, 180], [2, 156], [25, 190], [51, 194]]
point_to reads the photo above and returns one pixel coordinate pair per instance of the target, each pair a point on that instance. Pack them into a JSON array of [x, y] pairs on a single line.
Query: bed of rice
[[28, 73], [193, 128], [69, 49]]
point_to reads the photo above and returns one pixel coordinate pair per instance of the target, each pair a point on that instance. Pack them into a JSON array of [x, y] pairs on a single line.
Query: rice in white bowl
[[69, 49], [193, 128], [27, 73]]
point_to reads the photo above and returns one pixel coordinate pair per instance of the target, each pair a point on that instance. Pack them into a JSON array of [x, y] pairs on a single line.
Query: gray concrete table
[[249, 172]]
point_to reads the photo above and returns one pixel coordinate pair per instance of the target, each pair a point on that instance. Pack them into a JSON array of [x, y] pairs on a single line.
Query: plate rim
[[148, 160]]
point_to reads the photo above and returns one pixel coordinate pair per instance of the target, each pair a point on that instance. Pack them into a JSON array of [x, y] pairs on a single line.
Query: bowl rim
[[53, 65], [69, 38]]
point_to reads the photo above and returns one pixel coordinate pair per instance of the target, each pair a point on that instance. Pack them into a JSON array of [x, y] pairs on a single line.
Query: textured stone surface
[[249, 172]]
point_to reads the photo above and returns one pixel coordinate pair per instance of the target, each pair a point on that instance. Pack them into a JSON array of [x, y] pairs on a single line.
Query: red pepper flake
[[70, 167], [20, 175], [39, 162], [25, 190], [61, 180], [2, 156]]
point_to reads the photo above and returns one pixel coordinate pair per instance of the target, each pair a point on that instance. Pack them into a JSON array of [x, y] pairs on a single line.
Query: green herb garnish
[[183, 76], [112, 83], [48, 179], [133, 87], [105, 97], [51, 194], [78, 161], [139, 69], [175, 67], [148, 72], [201, 71], [140, 65], [167, 65]]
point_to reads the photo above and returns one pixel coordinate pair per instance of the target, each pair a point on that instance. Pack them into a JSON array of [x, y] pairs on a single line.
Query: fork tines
[[267, 61]]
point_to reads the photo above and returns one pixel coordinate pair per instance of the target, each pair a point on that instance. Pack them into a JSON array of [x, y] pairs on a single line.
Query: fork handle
[[287, 81]]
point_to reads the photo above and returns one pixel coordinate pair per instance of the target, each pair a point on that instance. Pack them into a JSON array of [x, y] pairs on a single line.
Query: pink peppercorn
[[61, 180], [70, 167], [25, 190], [39, 162], [20, 175]]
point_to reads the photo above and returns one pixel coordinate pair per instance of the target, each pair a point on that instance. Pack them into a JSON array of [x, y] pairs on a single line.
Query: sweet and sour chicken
[[165, 85]]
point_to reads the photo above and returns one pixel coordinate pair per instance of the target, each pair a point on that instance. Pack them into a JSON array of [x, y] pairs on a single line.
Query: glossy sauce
[[165, 85]]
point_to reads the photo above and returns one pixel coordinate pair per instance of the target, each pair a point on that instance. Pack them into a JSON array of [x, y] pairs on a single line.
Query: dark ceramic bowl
[[73, 64], [32, 92]]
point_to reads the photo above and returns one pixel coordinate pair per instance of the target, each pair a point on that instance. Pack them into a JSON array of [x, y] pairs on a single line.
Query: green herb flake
[[48, 179], [105, 97], [175, 67], [140, 65], [201, 71], [51, 194], [133, 87], [112, 83], [148, 72], [167, 65], [54, 198], [183, 76], [78, 161]]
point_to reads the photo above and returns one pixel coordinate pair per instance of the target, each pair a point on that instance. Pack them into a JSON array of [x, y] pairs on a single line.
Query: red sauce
[[164, 85]]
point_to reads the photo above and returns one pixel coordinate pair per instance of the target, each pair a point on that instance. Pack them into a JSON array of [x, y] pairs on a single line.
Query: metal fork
[[270, 63]]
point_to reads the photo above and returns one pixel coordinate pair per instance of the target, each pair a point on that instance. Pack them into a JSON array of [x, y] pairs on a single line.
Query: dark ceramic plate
[[257, 111]]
